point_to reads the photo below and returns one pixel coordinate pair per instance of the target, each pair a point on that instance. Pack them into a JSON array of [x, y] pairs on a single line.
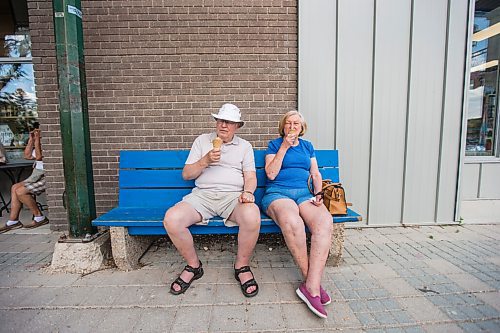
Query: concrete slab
[[380, 271], [374, 290], [153, 320], [400, 287], [134, 296], [442, 328], [469, 282], [298, 317], [228, 318], [192, 319], [262, 317], [491, 298], [16, 320], [422, 309], [120, 320]]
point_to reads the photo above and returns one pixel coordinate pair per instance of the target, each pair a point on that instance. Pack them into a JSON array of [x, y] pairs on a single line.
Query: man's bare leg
[[247, 216], [177, 221]]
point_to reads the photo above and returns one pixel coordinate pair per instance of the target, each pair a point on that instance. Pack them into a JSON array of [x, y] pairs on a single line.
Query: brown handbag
[[333, 196]]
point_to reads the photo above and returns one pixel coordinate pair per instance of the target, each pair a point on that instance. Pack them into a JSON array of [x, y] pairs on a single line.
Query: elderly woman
[[290, 161]]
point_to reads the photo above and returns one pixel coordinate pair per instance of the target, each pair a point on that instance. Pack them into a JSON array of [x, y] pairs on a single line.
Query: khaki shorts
[[213, 203]]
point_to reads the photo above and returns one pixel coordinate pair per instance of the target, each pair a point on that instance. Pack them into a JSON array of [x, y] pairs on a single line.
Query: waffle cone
[[217, 143]]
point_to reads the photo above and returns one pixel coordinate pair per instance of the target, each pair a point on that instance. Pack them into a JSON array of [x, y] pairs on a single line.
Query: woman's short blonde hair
[[287, 115]]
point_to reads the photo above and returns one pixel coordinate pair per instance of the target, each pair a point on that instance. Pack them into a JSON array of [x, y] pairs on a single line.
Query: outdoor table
[[14, 177]]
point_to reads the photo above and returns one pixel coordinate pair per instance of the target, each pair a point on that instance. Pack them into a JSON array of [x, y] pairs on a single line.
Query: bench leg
[[128, 249], [337, 245]]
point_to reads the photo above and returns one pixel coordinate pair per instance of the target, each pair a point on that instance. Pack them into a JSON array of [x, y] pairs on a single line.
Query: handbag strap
[[309, 184]]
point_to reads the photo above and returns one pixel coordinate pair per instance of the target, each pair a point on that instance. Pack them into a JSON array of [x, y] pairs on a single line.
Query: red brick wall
[[157, 69], [44, 61]]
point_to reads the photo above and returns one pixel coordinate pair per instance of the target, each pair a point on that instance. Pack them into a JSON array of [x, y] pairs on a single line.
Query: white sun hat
[[229, 112]]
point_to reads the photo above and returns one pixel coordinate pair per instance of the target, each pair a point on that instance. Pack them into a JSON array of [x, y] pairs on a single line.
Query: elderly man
[[223, 167]]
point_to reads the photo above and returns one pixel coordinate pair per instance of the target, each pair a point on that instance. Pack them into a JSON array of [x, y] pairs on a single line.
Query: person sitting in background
[[22, 192], [290, 161]]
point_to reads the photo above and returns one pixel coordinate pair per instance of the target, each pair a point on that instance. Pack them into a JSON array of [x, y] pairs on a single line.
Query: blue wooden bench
[[150, 182]]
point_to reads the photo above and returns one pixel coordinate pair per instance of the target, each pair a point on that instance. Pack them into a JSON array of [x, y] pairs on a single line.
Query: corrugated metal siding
[[354, 96], [424, 109], [397, 106], [390, 91], [317, 49], [452, 119]]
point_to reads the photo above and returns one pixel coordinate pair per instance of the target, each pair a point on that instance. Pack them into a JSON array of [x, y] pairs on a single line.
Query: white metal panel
[[391, 59], [490, 181], [354, 91], [470, 181], [419, 111], [424, 112], [483, 211], [452, 111], [317, 26], [470, 31]]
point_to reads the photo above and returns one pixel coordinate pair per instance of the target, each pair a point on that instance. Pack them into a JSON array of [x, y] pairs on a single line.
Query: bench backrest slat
[[154, 178], [160, 197], [143, 178], [142, 159]]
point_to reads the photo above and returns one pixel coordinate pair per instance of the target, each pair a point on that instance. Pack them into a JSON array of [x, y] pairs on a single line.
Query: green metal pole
[[73, 109]]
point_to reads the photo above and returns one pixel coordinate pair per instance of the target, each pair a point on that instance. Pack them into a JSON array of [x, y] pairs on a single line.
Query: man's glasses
[[227, 122]]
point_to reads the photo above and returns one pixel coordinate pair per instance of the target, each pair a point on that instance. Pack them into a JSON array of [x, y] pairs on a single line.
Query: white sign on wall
[[6, 135]]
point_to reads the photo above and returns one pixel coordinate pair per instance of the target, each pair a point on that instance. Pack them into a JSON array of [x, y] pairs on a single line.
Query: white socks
[[39, 218], [36, 218]]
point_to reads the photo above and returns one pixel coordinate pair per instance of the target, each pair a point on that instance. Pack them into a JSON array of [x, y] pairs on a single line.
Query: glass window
[[18, 105], [482, 111]]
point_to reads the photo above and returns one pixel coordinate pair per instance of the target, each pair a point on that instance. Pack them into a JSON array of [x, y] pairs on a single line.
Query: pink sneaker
[[313, 303], [325, 298]]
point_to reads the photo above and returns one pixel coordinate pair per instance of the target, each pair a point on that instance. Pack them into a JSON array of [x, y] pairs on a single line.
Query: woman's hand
[[318, 200], [289, 140]]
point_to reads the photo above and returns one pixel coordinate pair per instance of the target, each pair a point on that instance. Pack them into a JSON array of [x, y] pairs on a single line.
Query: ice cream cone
[[293, 133], [217, 143]]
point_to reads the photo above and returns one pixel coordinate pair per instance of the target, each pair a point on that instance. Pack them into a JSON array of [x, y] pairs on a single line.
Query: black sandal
[[249, 283], [198, 273]]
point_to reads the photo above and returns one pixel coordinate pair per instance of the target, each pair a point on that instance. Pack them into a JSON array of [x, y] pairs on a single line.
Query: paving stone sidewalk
[[413, 279]]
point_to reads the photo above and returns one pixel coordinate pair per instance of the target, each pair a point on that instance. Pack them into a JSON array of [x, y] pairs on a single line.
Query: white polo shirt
[[227, 174]]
